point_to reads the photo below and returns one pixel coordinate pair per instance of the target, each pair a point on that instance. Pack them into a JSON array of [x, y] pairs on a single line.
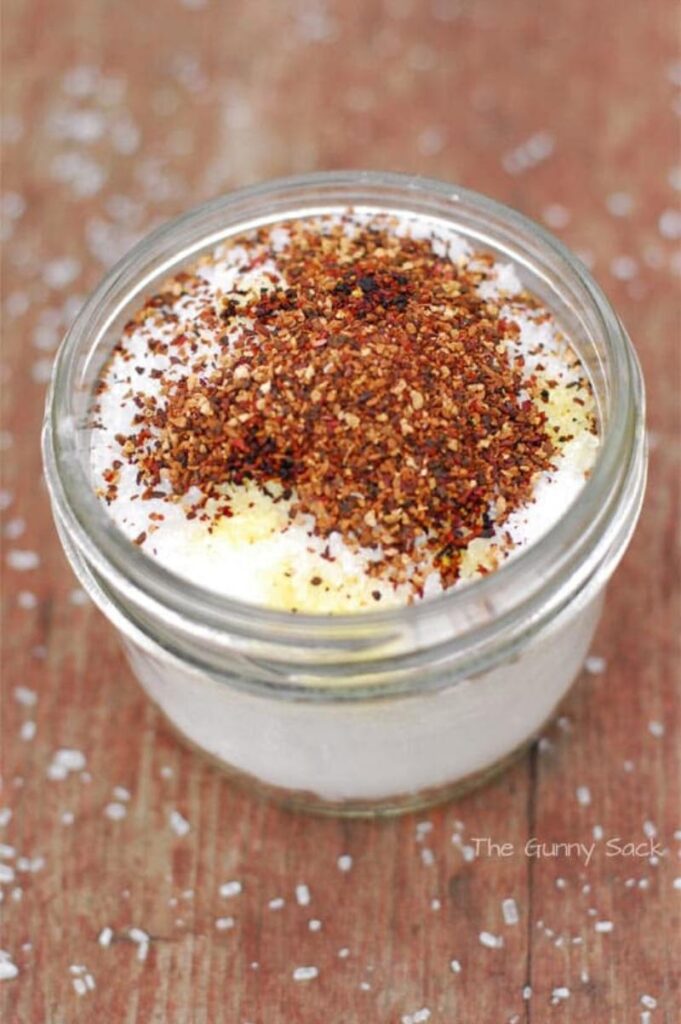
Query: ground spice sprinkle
[[353, 371]]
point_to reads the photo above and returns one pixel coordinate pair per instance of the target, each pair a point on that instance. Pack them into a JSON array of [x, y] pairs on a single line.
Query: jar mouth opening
[[568, 542]]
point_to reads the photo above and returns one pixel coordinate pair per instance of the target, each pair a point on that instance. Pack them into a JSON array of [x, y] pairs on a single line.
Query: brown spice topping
[[375, 386]]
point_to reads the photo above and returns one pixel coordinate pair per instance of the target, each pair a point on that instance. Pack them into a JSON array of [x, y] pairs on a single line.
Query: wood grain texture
[[119, 115]]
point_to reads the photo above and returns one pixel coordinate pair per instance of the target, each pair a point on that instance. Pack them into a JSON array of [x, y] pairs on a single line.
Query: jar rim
[[582, 536]]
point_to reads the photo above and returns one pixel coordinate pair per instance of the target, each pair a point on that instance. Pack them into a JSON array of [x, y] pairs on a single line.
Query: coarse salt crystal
[[8, 970], [649, 1001], [624, 268], [22, 561], [422, 829], [79, 986], [179, 824], [583, 796], [603, 926], [619, 204], [670, 224], [64, 762], [314, 925], [562, 992], [595, 665], [115, 811], [223, 924], [24, 696], [556, 216], [276, 904], [30, 864], [6, 874], [230, 889], [455, 966], [649, 829], [27, 731], [509, 909], [656, 729], [491, 941], [527, 992], [344, 862], [305, 973], [105, 936], [418, 1017], [303, 895]]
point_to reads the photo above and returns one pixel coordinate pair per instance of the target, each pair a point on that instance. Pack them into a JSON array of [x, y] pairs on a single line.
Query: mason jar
[[377, 711]]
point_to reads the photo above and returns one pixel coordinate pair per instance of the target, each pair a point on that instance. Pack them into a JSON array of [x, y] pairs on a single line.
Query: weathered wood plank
[[178, 105]]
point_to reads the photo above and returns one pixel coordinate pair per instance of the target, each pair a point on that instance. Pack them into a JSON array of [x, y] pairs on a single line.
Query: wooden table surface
[[119, 115]]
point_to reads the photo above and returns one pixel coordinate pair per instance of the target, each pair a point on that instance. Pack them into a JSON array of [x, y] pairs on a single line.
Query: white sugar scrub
[[348, 461], [262, 552]]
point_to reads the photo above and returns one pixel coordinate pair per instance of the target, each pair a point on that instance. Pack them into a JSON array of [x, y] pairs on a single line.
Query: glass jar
[[381, 710]]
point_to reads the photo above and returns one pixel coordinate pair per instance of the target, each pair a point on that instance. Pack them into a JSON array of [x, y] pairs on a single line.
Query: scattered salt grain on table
[[22, 561], [583, 796], [64, 762], [509, 909], [305, 973], [179, 824], [595, 665], [6, 874], [105, 936], [344, 862], [656, 729], [230, 889], [141, 940], [491, 941], [115, 811], [25, 696], [418, 1017], [302, 895], [619, 204], [603, 926], [8, 970], [223, 924]]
